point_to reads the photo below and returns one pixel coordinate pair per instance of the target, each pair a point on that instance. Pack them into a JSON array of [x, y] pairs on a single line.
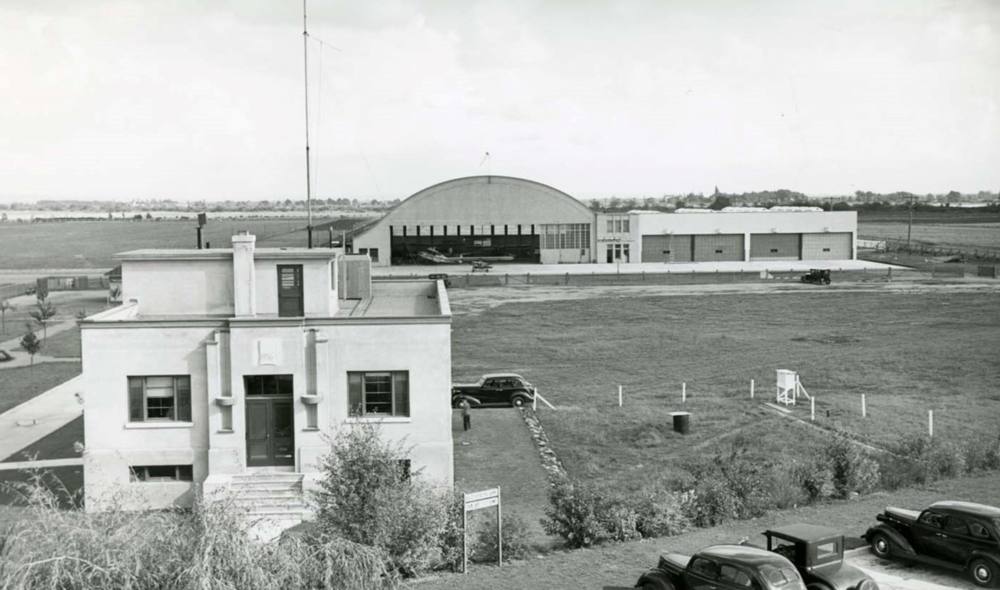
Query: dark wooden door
[[290, 300], [270, 432]]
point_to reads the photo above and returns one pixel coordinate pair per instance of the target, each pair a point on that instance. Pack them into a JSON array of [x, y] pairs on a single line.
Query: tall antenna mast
[[305, 61]]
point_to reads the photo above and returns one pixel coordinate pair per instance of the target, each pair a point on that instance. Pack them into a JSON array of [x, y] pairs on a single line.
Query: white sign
[[477, 504], [490, 493]]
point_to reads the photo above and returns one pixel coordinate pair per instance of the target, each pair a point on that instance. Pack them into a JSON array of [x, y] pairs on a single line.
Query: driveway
[[900, 575]]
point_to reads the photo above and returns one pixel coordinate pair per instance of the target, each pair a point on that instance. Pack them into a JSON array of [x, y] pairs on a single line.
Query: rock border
[[554, 468]]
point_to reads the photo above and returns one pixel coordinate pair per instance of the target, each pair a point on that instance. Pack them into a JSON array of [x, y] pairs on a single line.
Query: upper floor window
[[159, 398], [290, 300], [385, 393]]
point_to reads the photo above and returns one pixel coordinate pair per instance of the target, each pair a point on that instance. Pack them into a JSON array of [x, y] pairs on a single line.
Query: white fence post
[[930, 423], [619, 396], [864, 407], [751, 389], [812, 409], [684, 392]]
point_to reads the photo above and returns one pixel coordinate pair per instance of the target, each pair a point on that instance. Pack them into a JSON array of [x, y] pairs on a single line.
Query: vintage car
[[960, 536], [818, 554], [497, 388], [723, 567]]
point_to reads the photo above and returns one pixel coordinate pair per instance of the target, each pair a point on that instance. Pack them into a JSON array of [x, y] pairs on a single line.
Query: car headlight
[[867, 585]]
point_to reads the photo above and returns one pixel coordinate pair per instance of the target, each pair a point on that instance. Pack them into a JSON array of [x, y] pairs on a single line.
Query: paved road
[[39, 416], [898, 575]]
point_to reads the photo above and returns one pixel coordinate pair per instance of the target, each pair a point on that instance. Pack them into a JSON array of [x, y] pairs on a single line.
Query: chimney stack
[[244, 276]]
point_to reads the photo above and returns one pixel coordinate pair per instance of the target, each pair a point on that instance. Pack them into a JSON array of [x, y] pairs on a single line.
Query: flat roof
[[225, 254]]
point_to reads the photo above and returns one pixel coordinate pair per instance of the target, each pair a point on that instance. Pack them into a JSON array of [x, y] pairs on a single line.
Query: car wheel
[[881, 545], [518, 401], [456, 402], [654, 583], [983, 572]]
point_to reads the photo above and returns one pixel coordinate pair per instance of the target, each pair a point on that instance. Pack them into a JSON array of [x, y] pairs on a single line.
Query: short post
[[619, 396], [751, 389], [864, 407], [930, 423], [499, 532], [812, 409], [534, 402], [684, 392], [465, 544]]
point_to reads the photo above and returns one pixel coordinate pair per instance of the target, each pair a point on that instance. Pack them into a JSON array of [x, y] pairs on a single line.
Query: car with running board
[[494, 389], [818, 554], [723, 567], [960, 536]]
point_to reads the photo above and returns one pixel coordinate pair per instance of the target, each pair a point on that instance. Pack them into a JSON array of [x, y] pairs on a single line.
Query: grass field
[[23, 383], [946, 234], [91, 244], [908, 351]]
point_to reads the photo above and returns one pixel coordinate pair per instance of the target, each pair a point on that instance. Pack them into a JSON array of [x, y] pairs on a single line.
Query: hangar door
[[827, 246], [775, 246], [669, 248], [714, 247]]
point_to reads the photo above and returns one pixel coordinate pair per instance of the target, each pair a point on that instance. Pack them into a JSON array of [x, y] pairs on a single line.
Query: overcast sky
[[201, 99]]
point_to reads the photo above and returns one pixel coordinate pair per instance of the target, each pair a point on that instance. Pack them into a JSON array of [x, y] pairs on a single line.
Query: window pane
[[378, 393], [160, 408]]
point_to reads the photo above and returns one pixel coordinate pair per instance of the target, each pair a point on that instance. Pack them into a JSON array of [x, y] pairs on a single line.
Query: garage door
[[672, 248], [775, 246], [832, 246], [718, 247]]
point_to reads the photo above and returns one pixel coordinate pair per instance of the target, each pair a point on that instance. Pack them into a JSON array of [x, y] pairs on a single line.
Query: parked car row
[[960, 536]]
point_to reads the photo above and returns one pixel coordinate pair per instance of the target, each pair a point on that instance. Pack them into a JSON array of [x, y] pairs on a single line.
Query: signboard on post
[[477, 501]]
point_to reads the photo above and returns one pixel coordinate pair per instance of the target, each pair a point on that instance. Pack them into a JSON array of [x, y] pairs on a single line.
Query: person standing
[[466, 418]]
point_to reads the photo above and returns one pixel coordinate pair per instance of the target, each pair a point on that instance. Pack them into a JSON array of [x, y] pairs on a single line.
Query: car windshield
[[778, 577]]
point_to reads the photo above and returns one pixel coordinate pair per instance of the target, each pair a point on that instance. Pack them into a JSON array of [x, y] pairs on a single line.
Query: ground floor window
[[385, 393], [162, 397], [565, 236], [618, 252], [161, 473]]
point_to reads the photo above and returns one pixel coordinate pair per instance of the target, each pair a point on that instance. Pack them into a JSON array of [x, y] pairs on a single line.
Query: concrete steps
[[270, 495]]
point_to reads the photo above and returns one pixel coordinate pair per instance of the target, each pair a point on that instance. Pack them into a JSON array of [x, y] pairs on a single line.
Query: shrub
[[815, 479], [450, 543], [944, 459], [980, 457], [714, 502], [930, 459], [365, 498], [661, 514], [515, 540], [851, 469], [619, 520], [574, 514]]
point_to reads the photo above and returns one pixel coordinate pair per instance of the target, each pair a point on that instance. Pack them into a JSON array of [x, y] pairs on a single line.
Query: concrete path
[[899, 575], [40, 416], [52, 330], [23, 359], [40, 464]]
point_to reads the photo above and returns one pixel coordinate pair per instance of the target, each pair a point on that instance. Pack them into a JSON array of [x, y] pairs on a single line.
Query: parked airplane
[[433, 255]]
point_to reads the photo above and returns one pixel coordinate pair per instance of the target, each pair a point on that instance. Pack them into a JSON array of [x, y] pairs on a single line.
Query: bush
[[208, 546], [981, 457], [815, 479], [619, 520], [852, 470], [365, 498], [661, 514], [515, 540], [574, 513], [733, 485], [450, 543], [928, 459], [714, 502]]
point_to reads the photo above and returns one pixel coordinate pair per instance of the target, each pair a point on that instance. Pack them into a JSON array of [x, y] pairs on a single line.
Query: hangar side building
[[526, 221]]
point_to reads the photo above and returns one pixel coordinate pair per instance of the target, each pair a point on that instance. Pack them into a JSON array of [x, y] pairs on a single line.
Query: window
[[152, 473], [267, 384], [956, 526], [159, 398], [379, 393], [625, 225], [373, 254], [826, 249], [734, 576], [704, 568], [774, 250], [611, 226], [718, 250], [565, 236], [931, 519], [978, 530], [290, 302], [829, 550]]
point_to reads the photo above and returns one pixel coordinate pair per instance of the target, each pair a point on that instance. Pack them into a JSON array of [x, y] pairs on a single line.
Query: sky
[[204, 99]]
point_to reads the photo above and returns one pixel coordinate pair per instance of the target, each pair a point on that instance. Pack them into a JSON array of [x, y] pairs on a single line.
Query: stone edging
[[554, 469]]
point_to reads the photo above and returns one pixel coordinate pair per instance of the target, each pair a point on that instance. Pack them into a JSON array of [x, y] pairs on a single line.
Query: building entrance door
[[270, 430]]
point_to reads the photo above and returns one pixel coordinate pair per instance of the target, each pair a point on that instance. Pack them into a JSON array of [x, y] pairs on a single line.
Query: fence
[[935, 249]]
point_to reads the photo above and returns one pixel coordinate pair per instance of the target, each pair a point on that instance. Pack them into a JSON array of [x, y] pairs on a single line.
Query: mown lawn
[[57, 445], [23, 383], [909, 352]]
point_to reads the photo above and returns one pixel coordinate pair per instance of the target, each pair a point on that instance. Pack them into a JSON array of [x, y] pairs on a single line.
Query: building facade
[[223, 366], [505, 219]]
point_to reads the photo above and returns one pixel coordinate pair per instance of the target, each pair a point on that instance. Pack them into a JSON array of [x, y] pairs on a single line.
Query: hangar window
[[565, 236], [483, 243]]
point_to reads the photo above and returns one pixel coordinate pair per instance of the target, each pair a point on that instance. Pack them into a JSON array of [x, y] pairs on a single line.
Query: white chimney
[[244, 277]]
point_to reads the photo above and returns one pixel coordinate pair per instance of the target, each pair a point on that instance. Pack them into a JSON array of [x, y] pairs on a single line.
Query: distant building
[[230, 368], [518, 220]]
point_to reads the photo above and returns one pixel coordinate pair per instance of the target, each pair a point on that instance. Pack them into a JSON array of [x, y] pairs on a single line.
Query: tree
[[720, 202], [4, 307], [43, 312], [31, 344]]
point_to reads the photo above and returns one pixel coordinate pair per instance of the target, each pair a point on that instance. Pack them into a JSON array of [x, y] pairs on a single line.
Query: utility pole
[[305, 61], [909, 225]]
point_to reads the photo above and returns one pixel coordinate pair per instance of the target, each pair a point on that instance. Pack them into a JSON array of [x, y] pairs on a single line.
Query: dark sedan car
[[723, 567], [497, 388]]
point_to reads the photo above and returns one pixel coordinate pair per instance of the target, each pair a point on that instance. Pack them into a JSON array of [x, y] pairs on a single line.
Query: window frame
[[140, 474], [399, 394], [178, 406], [298, 272]]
